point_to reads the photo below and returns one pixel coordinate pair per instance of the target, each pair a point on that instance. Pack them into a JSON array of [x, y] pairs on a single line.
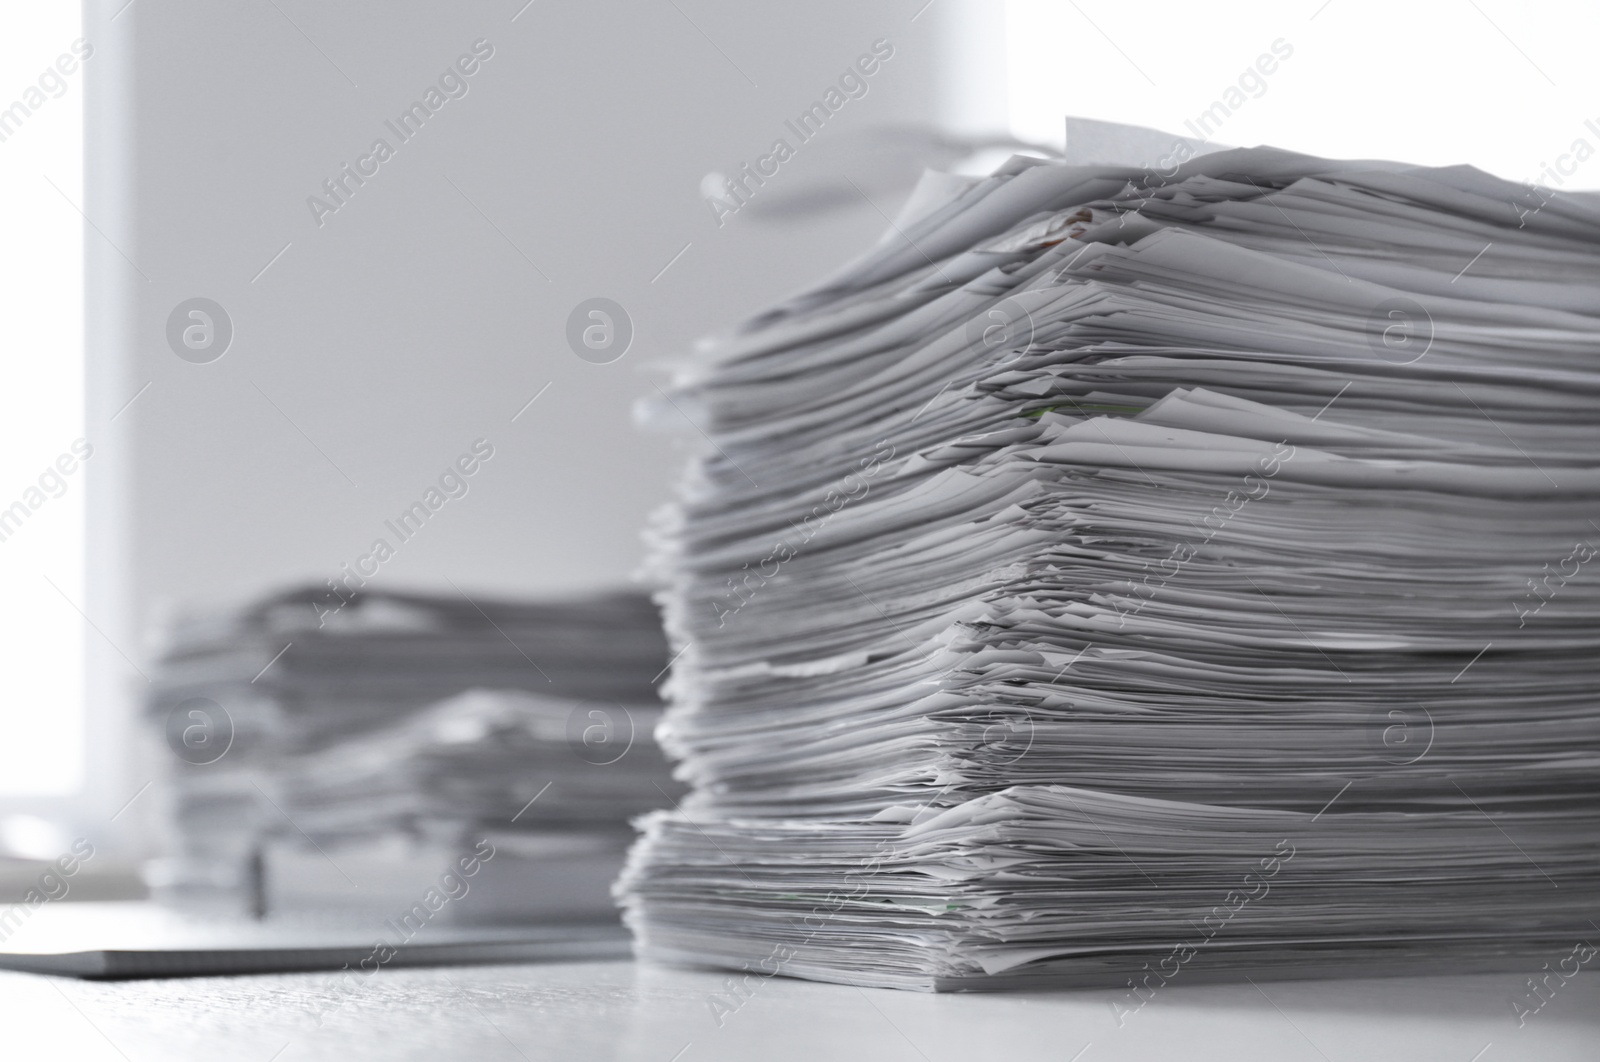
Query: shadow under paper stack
[[357, 761]]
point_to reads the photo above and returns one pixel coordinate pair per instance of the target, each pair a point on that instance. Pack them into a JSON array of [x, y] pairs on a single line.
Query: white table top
[[622, 1010]]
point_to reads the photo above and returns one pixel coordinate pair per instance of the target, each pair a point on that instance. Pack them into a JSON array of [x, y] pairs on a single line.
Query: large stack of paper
[[345, 759], [1124, 573]]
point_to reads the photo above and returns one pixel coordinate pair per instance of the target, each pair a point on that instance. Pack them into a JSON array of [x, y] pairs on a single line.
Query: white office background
[[42, 630], [1505, 85]]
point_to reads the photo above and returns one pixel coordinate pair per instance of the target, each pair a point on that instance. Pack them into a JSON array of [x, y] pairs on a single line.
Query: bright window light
[[42, 443], [1506, 85]]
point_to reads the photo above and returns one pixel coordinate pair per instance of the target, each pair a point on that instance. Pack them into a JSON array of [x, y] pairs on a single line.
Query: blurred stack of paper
[[469, 759], [345, 760], [1119, 563]]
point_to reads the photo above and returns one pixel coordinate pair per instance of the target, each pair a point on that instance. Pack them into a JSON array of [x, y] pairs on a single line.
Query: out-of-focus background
[[243, 341]]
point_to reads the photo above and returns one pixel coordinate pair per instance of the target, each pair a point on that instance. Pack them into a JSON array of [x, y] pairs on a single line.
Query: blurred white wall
[[432, 305]]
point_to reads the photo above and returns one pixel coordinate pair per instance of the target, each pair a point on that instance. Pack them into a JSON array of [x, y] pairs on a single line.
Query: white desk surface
[[622, 1010]]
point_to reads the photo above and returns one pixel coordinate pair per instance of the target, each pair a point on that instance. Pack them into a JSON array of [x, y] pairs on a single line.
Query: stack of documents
[[346, 762], [1128, 572], [468, 760]]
